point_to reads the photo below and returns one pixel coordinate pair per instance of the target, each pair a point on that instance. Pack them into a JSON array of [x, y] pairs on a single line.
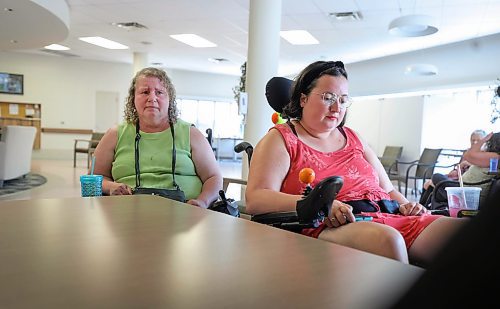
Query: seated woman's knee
[[371, 237]]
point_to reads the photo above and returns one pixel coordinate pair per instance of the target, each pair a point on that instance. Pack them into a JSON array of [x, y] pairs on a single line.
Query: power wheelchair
[[316, 202]]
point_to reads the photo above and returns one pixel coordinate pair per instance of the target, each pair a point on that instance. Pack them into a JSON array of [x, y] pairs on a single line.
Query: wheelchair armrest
[[276, 217], [311, 209], [318, 203]]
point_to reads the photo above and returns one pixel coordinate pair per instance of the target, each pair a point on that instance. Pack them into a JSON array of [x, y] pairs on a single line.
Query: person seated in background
[[479, 155], [464, 165], [151, 116], [315, 137]]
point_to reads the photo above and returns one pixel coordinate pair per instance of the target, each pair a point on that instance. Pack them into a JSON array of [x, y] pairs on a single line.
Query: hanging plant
[[241, 86], [495, 110]]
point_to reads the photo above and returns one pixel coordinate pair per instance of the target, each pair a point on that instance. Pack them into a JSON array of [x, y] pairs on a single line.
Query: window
[[221, 116]]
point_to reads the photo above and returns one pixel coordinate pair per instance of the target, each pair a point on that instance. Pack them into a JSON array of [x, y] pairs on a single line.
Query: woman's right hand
[[340, 214], [120, 189]]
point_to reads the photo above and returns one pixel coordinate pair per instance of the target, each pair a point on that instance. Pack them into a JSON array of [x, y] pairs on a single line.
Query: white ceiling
[[225, 22]]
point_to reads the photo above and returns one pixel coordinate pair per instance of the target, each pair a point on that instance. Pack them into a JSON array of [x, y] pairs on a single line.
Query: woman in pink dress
[[315, 137]]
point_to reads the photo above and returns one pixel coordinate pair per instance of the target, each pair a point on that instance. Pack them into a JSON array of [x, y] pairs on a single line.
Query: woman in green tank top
[[151, 118]]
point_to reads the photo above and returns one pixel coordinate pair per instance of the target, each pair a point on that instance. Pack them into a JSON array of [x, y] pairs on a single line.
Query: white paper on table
[[13, 109], [30, 112]]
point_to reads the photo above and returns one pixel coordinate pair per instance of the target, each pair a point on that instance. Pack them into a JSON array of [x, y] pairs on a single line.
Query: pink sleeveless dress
[[361, 181]]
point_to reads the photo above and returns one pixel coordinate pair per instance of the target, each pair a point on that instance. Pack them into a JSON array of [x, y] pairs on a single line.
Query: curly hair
[[306, 81], [131, 115], [493, 144]]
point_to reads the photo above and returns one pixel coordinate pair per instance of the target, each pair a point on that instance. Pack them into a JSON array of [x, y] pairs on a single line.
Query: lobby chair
[[389, 157], [86, 146], [416, 170], [16, 148]]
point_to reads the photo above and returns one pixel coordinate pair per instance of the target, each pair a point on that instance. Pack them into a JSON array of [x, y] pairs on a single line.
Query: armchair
[[86, 146], [420, 169], [389, 157], [16, 148]]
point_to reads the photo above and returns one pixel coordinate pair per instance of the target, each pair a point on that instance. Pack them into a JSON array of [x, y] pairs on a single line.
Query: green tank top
[[155, 159]]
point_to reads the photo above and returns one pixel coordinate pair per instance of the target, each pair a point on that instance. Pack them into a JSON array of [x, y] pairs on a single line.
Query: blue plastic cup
[[493, 165], [91, 185]]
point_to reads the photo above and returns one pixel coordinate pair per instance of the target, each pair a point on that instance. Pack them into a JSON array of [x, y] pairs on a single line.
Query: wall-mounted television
[[11, 83]]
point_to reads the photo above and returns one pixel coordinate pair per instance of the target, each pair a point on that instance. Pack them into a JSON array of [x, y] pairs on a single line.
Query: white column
[[262, 64], [140, 62]]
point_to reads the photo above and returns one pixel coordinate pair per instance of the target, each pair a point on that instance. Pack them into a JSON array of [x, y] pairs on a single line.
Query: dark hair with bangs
[[306, 81]]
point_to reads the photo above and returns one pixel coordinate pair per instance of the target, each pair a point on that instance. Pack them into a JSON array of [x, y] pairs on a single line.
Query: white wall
[[190, 84], [66, 89], [391, 121]]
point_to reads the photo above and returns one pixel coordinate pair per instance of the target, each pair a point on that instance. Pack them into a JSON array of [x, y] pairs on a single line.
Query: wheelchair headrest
[[278, 92]]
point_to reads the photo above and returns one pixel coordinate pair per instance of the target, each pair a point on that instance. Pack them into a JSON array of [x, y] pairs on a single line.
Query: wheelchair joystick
[[306, 176], [317, 202]]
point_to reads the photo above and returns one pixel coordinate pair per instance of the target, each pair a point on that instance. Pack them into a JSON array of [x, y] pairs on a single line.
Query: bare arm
[[206, 168], [268, 168], [476, 156], [406, 208], [104, 156]]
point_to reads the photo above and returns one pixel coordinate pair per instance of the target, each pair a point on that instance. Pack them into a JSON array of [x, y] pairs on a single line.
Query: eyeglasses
[[330, 98]]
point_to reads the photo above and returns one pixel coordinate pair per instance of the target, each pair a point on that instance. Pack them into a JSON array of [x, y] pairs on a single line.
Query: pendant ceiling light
[[413, 25], [421, 69]]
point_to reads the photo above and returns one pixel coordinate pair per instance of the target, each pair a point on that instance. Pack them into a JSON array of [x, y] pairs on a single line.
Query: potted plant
[[495, 110], [240, 94]]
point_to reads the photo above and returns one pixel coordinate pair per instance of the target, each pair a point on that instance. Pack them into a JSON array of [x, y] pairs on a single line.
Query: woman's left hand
[[412, 209], [198, 203]]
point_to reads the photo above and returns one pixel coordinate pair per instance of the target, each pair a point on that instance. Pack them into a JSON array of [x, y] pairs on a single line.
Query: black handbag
[[225, 205], [177, 194], [174, 194]]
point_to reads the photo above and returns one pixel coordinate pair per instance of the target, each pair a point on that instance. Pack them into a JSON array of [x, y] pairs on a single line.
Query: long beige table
[[150, 252]]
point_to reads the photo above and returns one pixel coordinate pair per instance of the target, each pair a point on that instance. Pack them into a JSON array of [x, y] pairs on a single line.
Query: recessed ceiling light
[[421, 69], [193, 40], [346, 16], [298, 37], [130, 26], [56, 47], [102, 42], [217, 60], [412, 26]]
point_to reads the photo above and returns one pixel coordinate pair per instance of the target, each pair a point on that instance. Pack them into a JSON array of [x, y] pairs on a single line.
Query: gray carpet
[[22, 183]]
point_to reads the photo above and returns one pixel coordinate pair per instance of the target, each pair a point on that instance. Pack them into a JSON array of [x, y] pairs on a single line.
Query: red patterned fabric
[[360, 180]]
